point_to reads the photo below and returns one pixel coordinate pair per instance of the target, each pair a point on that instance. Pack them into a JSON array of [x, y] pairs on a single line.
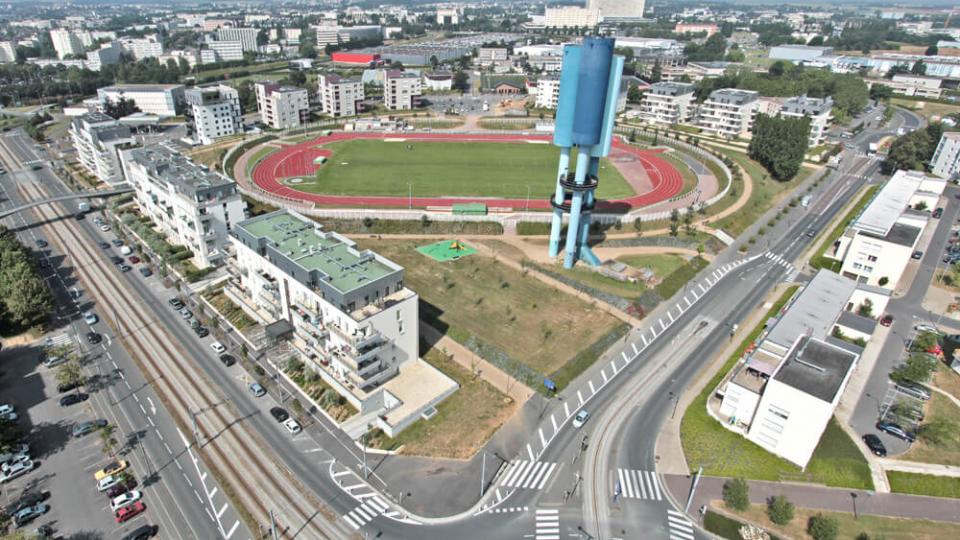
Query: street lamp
[[409, 195], [853, 497]]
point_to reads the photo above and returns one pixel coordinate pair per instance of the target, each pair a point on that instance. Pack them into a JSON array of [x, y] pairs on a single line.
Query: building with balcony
[[354, 322], [190, 205], [97, 138], [667, 103], [818, 110], [215, 112], [728, 112], [946, 158], [548, 92], [401, 90], [340, 96], [281, 107]]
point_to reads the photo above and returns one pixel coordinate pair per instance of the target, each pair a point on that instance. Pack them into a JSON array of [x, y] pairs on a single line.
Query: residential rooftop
[[901, 234], [177, 169], [140, 87], [808, 105], [733, 96], [815, 309], [816, 368], [671, 88]]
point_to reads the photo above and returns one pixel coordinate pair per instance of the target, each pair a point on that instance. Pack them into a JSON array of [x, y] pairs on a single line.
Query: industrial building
[[190, 205], [799, 53], [215, 111], [163, 100], [356, 59], [912, 85], [281, 107], [351, 320], [340, 96], [946, 158], [97, 138]]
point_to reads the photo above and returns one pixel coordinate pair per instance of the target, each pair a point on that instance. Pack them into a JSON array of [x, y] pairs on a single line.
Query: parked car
[[128, 512], [917, 255], [887, 320], [31, 498], [581, 418], [111, 469], [116, 242], [279, 414], [125, 484], [108, 482], [125, 499], [90, 317], [175, 303], [41, 243], [133, 259], [116, 260], [938, 212], [94, 338], [186, 313], [257, 389], [6, 408], [10, 416], [104, 245], [84, 428], [194, 323], [72, 399], [227, 360], [29, 514], [142, 533], [218, 347], [914, 390], [896, 431], [54, 361], [145, 271], [928, 328], [124, 267], [875, 445], [16, 470], [201, 331], [292, 426]]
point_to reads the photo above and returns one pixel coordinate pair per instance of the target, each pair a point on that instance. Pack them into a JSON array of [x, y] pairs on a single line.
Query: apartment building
[[189, 204], [281, 107], [913, 85], [728, 112], [8, 52], [163, 100], [570, 17], [818, 110], [140, 48], [327, 35], [97, 138], [782, 393], [696, 28], [351, 319], [246, 36], [946, 158], [491, 55], [340, 96], [221, 51], [401, 90], [448, 16], [668, 103], [66, 43], [438, 81], [215, 111], [548, 92], [876, 248], [107, 54]]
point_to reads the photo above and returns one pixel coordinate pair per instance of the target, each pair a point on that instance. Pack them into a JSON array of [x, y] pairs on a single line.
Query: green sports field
[[375, 167]]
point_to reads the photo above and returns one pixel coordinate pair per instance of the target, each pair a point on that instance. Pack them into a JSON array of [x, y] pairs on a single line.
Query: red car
[[887, 320], [134, 259], [127, 512]]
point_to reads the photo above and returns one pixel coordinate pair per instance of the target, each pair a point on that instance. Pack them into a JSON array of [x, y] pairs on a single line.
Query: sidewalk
[[821, 497]]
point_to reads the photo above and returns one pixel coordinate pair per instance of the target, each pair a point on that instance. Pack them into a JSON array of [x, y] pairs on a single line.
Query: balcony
[[357, 339]]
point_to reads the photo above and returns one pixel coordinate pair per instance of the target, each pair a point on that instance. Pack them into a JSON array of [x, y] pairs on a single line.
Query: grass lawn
[[818, 260], [464, 421], [836, 462], [924, 484], [662, 265], [515, 312], [926, 109], [766, 193], [947, 380], [948, 451], [211, 157], [375, 167], [888, 528], [601, 282]]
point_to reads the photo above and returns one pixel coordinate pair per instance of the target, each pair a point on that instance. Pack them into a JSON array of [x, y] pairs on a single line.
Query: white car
[[19, 468], [581, 418], [90, 317], [218, 347], [126, 499], [107, 482], [104, 227], [927, 328], [13, 460], [292, 426], [6, 408]]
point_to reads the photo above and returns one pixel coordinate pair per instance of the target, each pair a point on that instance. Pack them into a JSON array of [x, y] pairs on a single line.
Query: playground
[[423, 170], [446, 250]]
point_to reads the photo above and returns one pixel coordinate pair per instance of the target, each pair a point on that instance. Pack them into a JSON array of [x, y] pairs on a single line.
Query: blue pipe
[[557, 223], [583, 162]]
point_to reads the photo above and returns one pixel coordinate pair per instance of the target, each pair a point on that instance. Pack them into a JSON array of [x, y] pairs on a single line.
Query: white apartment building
[[877, 247], [97, 138], [818, 110], [140, 48], [668, 103], [946, 158], [350, 317], [728, 112], [107, 54], [401, 90], [327, 35], [281, 107], [913, 85], [292, 35], [438, 81], [570, 17], [548, 92], [340, 96], [8, 52], [66, 43], [491, 55], [161, 100], [246, 36], [215, 111], [782, 394], [191, 205], [448, 16], [221, 51], [614, 10]]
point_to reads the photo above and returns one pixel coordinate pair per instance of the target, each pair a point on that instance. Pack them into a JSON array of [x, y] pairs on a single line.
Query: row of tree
[[25, 300], [779, 144], [913, 151]]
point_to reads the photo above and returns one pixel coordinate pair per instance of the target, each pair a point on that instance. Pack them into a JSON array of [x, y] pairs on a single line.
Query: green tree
[[779, 144], [120, 107], [780, 510], [713, 49], [919, 68], [736, 494], [881, 92], [9, 434], [461, 81], [107, 440], [938, 432], [822, 527], [70, 373], [434, 62], [917, 368], [656, 72], [634, 95], [932, 50]]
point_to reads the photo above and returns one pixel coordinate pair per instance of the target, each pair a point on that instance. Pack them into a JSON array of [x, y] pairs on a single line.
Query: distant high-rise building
[[8, 52], [617, 9], [66, 43], [246, 36]]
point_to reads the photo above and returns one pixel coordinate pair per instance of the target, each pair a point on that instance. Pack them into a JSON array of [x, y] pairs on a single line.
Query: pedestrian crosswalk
[[638, 484], [528, 474], [58, 340], [371, 508], [548, 524], [680, 527]]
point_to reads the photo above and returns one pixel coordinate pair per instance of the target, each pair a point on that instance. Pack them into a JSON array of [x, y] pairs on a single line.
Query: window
[[872, 258], [778, 412]]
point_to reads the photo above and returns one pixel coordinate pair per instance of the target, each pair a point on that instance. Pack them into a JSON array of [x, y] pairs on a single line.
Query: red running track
[[298, 160]]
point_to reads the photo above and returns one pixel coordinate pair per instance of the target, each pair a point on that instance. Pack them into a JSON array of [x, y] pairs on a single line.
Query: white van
[[125, 250]]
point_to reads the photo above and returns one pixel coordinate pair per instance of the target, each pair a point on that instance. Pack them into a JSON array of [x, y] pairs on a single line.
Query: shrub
[[736, 494], [822, 527], [780, 510]]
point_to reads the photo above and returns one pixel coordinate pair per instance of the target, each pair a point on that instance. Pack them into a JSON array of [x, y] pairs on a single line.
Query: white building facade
[[215, 111], [668, 103], [340, 96], [281, 107], [728, 112], [97, 138], [946, 158], [163, 100], [401, 90], [548, 92]]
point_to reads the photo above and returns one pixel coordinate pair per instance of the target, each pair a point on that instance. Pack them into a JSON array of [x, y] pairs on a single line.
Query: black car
[[145, 272], [201, 331], [41, 243], [896, 431], [124, 267], [104, 245], [142, 533], [116, 260], [67, 386], [279, 414], [227, 360], [938, 213], [93, 338], [116, 242], [127, 483], [175, 303], [875, 445], [72, 399], [32, 498]]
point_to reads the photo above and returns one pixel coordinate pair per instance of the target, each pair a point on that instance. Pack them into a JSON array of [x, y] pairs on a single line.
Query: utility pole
[[483, 471], [196, 436], [693, 490], [273, 527]]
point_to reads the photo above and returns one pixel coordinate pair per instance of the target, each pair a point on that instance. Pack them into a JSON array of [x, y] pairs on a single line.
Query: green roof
[[329, 253]]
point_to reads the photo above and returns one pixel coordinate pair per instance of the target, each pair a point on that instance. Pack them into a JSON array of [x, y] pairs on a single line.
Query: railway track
[[258, 484]]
